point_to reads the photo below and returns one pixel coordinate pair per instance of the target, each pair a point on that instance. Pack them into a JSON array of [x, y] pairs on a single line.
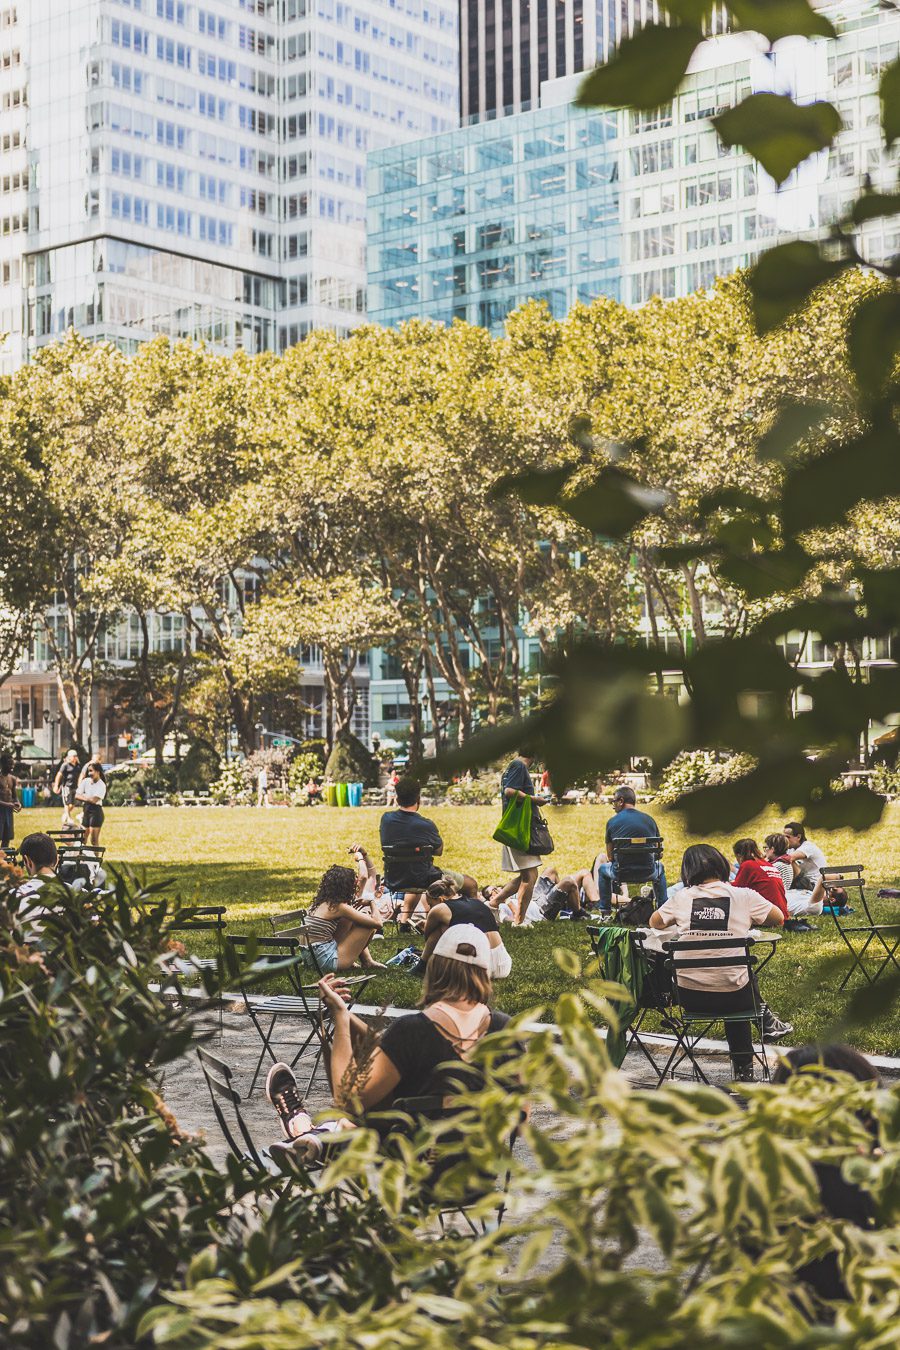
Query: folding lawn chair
[[301, 1005], [199, 919], [858, 937], [407, 1116], [708, 954], [656, 991], [288, 924], [219, 1081]]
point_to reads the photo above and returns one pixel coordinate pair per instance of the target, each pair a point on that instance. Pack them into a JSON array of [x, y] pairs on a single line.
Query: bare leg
[[352, 944], [410, 900], [526, 890], [507, 891], [585, 880]]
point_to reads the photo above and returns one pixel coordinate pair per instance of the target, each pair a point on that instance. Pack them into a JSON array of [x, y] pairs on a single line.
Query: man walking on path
[[65, 784]]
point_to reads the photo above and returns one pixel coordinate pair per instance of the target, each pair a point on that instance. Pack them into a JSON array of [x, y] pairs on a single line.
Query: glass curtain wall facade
[[631, 205], [471, 224], [198, 169]]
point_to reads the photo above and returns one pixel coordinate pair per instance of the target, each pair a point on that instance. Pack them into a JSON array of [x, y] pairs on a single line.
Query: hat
[[464, 935]]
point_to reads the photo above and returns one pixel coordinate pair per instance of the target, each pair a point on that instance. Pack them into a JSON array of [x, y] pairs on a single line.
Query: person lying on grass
[[420, 1054], [339, 933]]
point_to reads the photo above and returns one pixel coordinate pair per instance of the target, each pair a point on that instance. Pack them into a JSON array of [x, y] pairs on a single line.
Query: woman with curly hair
[[339, 934]]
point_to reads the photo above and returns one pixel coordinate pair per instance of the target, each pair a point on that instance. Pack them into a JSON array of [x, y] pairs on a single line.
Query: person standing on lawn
[[65, 783], [517, 782], [9, 802]]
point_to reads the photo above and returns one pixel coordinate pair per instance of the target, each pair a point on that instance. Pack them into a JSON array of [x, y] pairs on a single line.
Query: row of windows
[[15, 98], [14, 182], [8, 59], [143, 126], [9, 17], [11, 140], [18, 223]]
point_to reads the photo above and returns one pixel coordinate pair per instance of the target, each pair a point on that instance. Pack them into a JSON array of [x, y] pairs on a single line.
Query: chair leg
[[266, 1039]]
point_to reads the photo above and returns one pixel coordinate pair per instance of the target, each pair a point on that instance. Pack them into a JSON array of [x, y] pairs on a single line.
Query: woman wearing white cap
[[415, 1056]]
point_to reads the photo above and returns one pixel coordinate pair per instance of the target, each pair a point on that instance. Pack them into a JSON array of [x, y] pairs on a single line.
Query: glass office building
[[563, 205], [470, 224], [198, 169]]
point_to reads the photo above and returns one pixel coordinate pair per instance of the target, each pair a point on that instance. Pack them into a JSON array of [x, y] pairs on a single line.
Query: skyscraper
[[198, 169]]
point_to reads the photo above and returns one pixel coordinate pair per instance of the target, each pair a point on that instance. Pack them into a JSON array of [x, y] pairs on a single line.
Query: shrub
[[233, 786], [696, 768], [200, 768], [302, 767], [137, 782], [482, 791], [886, 781], [351, 762]]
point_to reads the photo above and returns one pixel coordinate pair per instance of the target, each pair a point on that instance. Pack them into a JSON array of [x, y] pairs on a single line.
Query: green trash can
[[342, 794], [331, 794]]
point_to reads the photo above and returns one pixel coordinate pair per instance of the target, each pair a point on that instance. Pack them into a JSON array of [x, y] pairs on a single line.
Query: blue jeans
[[606, 875]]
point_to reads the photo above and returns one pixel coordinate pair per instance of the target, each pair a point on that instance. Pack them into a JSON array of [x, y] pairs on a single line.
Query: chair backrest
[[697, 955], [68, 836], [635, 858], [407, 852], [200, 918], [219, 1077], [289, 923], [847, 877]]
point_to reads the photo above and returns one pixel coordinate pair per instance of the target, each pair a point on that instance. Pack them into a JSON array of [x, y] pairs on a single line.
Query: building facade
[[198, 169], [625, 204]]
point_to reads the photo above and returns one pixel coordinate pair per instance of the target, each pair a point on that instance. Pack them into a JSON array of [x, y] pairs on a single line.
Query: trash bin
[[342, 794], [355, 791], [331, 794], [29, 796]]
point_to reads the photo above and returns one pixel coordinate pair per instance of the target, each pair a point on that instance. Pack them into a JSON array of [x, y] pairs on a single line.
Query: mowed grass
[[260, 862]]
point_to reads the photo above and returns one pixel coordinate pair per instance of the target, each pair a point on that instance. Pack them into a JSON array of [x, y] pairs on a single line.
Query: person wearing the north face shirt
[[709, 906]]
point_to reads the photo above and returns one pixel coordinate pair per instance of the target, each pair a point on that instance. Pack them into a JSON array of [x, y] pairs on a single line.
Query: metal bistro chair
[[656, 992], [691, 1027], [858, 937], [407, 1116], [72, 835], [395, 855], [219, 1081], [302, 1004], [199, 919], [635, 860], [288, 924]]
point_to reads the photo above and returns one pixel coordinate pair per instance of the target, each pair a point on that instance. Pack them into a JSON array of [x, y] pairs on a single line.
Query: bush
[[136, 782], [351, 762], [233, 786], [200, 768], [886, 781], [482, 791], [696, 768], [302, 767]]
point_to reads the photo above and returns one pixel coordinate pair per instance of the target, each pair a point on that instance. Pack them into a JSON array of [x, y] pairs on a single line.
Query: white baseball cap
[[465, 935]]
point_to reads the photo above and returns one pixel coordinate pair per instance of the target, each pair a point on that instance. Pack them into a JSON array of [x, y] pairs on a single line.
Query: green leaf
[[536, 487], [874, 205], [873, 339], [689, 11], [784, 279], [856, 808], [889, 93], [781, 18], [793, 423], [823, 490], [614, 504], [770, 572], [645, 71], [777, 132]]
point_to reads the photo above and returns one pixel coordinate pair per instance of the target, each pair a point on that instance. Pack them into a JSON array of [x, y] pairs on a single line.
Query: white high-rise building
[[198, 169]]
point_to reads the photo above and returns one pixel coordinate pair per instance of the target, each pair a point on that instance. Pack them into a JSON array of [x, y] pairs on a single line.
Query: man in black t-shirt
[[410, 844], [65, 783]]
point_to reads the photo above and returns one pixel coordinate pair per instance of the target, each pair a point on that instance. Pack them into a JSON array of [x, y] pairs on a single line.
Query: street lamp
[[53, 722]]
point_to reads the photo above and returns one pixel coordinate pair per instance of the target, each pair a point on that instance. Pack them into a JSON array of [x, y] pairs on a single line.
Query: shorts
[[68, 796], [321, 957], [92, 817], [511, 860]]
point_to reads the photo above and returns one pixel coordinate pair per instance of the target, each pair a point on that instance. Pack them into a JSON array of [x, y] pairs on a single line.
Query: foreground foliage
[[638, 1219]]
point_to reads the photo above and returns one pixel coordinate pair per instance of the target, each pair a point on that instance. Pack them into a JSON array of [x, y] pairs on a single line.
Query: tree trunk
[[654, 625], [412, 677], [697, 622]]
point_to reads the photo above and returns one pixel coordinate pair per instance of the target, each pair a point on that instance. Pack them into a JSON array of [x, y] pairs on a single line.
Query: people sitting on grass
[[410, 843], [759, 874], [800, 900], [422, 1054], [710, 906], [448, 909], [555, 895], [807, 857], [339, 933], [627, 823]]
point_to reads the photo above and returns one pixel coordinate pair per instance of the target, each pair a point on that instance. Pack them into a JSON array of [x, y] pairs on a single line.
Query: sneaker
[[798, 926], [773, 1027], [283, 1093], [744, 1075]]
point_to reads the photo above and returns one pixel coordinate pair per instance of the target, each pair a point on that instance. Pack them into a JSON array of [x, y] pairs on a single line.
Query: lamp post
[[53, 722]]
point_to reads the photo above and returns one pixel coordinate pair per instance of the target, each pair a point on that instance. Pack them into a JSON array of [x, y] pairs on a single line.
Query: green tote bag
[[514, 829]]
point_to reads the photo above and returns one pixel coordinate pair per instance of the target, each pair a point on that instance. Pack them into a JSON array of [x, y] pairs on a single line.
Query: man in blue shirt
[[627, 823]]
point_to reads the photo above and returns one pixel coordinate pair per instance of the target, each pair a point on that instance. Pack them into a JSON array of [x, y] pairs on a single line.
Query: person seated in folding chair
[[39, 856], [410, 844], [422, 1054], [449, 909], [627, 823], [708, 906], [339, 933]]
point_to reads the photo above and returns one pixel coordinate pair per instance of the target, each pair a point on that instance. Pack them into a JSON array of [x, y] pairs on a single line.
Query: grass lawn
[[259, 862]]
